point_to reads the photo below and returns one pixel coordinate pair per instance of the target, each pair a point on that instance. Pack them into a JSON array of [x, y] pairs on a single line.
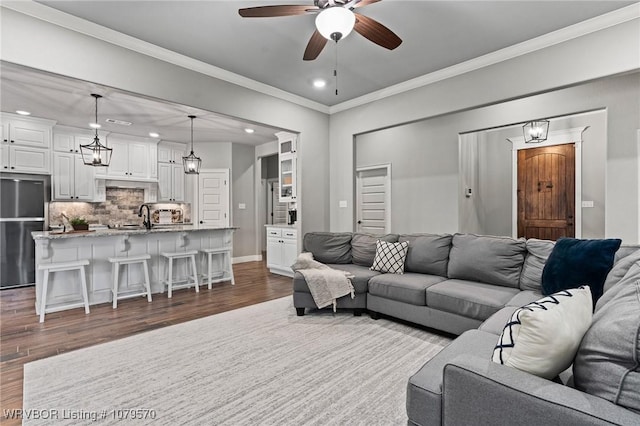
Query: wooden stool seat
[[227, 271], [131, 260], [192, 278], [48, 268]]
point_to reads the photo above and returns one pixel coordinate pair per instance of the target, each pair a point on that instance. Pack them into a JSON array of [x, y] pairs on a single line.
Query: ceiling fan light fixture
[[335, 23]]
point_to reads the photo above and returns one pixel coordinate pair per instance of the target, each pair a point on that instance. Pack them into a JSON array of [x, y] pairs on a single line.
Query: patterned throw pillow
[[390, 257], [543, 337]]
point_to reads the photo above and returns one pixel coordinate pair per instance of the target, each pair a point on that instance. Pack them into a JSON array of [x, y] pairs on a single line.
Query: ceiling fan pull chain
[[335, 70]]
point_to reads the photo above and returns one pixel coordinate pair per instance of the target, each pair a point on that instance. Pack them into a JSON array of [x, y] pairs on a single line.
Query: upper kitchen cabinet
[[132, 159], [72, 180], [287, 166], [170, 171], [26, 144]]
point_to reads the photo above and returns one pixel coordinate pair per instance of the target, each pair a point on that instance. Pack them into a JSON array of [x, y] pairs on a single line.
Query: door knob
[[201, 222], [359, 222]]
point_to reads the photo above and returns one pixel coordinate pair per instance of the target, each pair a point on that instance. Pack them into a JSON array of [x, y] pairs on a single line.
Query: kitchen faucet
[[147, 219]]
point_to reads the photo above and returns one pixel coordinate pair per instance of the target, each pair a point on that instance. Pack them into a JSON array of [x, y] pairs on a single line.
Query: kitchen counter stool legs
[[227, 267], [191, 279], [60, 267], [117, 261]]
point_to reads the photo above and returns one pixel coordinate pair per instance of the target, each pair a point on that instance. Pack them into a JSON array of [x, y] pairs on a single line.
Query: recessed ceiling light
[[154, 135], [21, 112], [94, 125], [248, 130], [319, 83]]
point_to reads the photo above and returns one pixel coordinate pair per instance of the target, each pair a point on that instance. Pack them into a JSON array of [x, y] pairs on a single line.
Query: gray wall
[[270, 167], [539, 91], [242, 178], [426, 196]]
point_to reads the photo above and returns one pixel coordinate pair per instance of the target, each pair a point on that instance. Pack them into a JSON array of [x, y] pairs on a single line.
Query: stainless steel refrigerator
[[23, 201]]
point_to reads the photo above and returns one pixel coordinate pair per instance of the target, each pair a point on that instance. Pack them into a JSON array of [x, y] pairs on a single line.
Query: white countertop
[[281, 225], [48, 235]]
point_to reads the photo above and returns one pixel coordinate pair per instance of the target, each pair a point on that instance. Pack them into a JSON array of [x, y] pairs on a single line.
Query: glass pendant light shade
[[96, 154], [191, 163], [536, 131], [335, 23]]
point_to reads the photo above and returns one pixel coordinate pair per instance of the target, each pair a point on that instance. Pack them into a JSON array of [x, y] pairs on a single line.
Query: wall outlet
[[587, 204]]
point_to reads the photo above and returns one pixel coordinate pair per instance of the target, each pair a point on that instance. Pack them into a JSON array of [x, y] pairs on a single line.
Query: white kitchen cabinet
[[282, 249], [170, 152], [171, 171], [26, 144], [170, 182], [287, 166], [132, 158], [72, 179]]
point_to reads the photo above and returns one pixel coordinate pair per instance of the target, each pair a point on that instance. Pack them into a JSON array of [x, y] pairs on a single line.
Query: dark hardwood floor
[[23, 339]]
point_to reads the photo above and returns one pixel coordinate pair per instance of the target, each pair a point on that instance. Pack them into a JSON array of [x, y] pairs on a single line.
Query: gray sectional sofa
[[469, 285]]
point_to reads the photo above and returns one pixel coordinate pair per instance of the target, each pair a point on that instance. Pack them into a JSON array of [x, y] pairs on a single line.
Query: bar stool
[[227, 271], [131, 260], [189, 255], [60, 267]]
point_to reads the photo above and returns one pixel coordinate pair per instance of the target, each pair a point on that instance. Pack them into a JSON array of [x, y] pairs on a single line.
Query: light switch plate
[[587, 204], [343, 204], [242, 206]]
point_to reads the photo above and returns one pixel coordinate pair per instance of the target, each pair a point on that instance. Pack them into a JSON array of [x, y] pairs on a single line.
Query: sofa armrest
[[479, 391]]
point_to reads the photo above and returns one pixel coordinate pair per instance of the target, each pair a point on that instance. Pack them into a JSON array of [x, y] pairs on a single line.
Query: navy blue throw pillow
[[574, 262]]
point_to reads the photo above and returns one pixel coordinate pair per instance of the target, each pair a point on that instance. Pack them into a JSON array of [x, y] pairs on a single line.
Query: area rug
[[259, 365]]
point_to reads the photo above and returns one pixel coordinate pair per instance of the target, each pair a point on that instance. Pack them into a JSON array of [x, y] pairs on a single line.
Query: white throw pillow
[[390, 257], [542, 338]]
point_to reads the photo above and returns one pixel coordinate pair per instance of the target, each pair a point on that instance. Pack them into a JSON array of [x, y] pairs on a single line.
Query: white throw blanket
[[326, 284]]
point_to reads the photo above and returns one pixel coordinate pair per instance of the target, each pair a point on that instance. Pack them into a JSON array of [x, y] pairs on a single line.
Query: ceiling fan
[[335, 21]]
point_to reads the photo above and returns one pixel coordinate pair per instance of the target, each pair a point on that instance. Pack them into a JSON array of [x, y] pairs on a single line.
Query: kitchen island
[[99, 245]]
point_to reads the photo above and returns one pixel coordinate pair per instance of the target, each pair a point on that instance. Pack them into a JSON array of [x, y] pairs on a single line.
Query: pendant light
[[191, 163], [536, 131], [96, 154]]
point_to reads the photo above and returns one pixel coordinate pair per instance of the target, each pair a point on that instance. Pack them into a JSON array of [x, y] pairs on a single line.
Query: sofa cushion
[[495, 323], [469, 298], [491, 260], [363, 247], [607, 362], [359, 281], [524, 298], [409, 287], [390, 257], [542, 337], [424, 391], [537, 253], [620, 269], [574, 262], [329, 247], [428, 253]]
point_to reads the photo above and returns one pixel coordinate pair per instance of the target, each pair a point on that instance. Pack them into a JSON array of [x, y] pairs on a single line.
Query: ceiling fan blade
[[315, 46], [270, 11], [365, 2], [376, 32]]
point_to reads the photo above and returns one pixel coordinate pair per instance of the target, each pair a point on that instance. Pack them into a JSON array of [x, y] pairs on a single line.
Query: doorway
[[373, 199], [546, 192], [276, 211]]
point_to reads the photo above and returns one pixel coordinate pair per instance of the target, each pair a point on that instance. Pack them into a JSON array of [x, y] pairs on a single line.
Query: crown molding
[[583, 28], [83, 26], [56, 17]]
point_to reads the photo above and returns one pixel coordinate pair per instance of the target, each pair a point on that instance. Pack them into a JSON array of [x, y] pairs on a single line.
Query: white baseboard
[[242, 259]]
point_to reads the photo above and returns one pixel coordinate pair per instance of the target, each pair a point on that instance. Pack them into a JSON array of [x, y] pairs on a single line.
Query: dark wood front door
[[546, 192]]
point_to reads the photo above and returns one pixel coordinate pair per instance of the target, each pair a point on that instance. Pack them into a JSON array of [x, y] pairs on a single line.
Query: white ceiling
[[436, 35]]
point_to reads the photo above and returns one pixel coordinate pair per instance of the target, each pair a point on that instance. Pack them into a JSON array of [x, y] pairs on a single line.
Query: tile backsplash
[[121, 207]]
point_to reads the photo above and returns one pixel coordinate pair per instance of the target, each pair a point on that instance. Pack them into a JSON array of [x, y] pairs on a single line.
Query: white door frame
[[195, 207], [387, 167], [557, 137]]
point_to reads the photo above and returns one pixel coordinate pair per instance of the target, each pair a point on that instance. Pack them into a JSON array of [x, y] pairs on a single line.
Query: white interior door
[[373, 199], [213, 197]]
